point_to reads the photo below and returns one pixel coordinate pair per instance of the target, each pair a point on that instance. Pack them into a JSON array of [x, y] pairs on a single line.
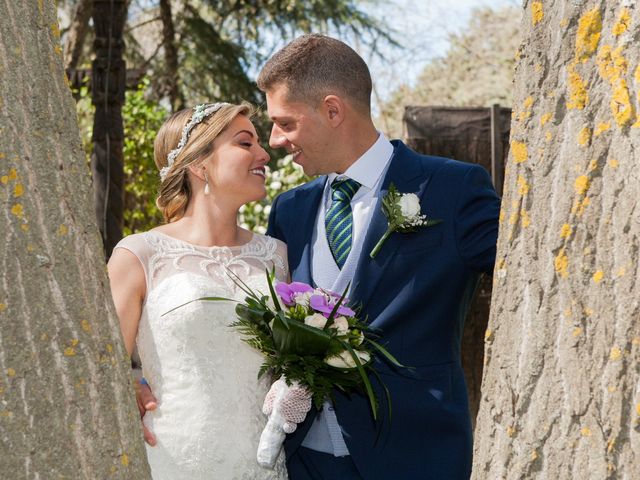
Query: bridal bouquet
[[313, 341]]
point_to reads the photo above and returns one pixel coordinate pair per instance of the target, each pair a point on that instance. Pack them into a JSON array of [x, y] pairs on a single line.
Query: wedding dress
[[209, 416]]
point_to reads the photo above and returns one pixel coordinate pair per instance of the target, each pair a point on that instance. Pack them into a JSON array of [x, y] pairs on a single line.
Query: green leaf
[[298, 338], [373, 402], [384, 352], [210, 299]]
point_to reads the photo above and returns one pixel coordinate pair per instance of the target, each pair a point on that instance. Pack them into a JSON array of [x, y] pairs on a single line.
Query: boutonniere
[[403, 215]]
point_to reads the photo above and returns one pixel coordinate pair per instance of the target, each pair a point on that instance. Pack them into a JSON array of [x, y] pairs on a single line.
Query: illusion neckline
[[202, 247]]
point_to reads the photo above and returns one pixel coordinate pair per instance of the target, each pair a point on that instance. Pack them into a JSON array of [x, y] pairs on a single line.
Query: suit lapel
[[307, 201], [407, 174]]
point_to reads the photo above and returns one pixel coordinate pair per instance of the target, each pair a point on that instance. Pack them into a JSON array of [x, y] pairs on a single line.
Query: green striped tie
[[338, 220]]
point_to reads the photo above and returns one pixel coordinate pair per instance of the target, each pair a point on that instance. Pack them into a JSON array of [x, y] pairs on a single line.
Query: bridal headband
[[200, 112]]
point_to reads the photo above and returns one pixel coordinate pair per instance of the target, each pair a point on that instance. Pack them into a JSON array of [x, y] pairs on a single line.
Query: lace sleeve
[[282, 268], [137, 245]]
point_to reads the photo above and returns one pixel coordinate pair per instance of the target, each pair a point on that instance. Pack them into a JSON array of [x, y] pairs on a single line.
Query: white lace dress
[[209, 416]]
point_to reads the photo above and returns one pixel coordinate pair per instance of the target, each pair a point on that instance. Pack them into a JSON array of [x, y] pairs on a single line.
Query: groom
[[416, 290]]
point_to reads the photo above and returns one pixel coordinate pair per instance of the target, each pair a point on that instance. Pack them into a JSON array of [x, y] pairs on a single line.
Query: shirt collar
[[368, 169]]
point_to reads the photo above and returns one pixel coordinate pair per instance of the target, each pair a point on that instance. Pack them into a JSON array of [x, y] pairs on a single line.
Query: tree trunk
[[108, 83], [67, 407], [560, 394], [74, 42], [171, 56]]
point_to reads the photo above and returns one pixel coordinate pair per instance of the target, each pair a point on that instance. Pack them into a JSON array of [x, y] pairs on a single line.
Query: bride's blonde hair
[[175, 191]]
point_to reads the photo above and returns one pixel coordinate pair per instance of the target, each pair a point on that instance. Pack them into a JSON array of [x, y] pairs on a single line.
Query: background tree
[[200, 50], [561, 394], [477, 70], [195, 51], [67, 408]]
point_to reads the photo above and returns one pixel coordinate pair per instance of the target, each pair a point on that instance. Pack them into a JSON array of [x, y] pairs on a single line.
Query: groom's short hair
[[313, 66]]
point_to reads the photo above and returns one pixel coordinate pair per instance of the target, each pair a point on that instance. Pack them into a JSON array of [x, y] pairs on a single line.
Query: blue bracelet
[[143, 381]]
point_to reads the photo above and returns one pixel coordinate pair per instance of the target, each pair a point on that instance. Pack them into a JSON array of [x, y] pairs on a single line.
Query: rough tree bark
[[108, 83], [67, 408], [561, 389]]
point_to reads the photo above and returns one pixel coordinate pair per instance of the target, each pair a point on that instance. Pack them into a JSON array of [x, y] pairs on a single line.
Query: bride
[[208, 417]]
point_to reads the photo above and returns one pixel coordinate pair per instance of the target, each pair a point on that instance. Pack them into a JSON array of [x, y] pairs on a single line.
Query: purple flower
[[288, 292], [326, 303]]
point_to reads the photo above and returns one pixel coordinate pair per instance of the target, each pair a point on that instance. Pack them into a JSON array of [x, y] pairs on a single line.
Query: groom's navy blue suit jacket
[[416, 291]]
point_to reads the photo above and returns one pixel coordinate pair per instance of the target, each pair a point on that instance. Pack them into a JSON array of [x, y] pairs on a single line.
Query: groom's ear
[[333, 109]]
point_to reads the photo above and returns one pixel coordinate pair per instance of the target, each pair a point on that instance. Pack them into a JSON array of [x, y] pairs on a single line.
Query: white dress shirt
[[369, 171]]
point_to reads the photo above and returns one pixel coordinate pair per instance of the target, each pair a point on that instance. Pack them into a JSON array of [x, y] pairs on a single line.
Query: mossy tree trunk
[[561, 388], [67, 407]]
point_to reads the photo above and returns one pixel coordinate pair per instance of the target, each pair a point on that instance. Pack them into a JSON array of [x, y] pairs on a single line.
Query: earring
[[206, 184]]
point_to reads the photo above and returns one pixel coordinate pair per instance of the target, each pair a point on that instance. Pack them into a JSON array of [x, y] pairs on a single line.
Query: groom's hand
[[146, 401]]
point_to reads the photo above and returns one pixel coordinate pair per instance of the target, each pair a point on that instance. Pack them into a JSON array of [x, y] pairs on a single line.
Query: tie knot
[[344, 190]]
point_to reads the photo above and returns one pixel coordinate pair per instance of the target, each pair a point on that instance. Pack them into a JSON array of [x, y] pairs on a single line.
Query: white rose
[[257, 208], [345, 360], [316, 320], [410, 205], [276, 185], [267, 210], [341, 324]]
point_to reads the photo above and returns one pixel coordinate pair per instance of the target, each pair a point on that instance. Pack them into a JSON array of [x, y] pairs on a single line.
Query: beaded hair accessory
[[200, 112]]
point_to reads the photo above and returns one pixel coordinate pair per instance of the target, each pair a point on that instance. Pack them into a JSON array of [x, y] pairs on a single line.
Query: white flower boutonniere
[[403, 215]]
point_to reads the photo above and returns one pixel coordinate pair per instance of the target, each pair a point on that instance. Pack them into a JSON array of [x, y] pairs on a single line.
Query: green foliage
[[222, 44], [142, 120]]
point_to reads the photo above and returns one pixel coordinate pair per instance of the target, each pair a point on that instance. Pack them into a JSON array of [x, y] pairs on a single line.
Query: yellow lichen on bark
[[519, 151], [623, 23], [55, 30], [615, 354], [613, 66], [621, 106], [601, 127], [588, 36], [523, 186], [537, 14], [561, 264], [584, 137], [578, 96], [581, 184], [565, 231], [545, 118], [597, 277], [18, 210]]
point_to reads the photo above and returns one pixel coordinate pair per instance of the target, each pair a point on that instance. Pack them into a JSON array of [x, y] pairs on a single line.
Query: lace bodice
[[209, 417]]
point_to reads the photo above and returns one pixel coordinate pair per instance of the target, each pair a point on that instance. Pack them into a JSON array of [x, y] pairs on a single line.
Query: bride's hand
[[146, 401], [293, 402]]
